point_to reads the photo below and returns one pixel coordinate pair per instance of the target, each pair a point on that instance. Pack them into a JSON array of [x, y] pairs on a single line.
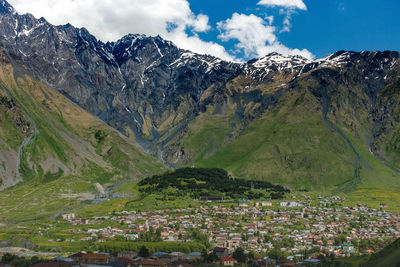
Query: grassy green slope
[[207, 133], [69, 152], [387, 257], [289, 145]]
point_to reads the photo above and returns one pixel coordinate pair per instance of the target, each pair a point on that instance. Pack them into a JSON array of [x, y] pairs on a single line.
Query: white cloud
[[289, 8], [287, 24], [289, 4], [255, 36], [109, 20], [251, 31]]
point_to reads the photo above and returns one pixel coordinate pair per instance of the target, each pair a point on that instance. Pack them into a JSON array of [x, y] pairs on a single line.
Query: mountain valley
[[73, 106]]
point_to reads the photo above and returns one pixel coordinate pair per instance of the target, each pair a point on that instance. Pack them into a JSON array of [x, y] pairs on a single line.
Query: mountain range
[[72, 105]]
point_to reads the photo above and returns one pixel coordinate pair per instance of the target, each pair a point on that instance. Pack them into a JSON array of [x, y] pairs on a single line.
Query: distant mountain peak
[[276, 58]]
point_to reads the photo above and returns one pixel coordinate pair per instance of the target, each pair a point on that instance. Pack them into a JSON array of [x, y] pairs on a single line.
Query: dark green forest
[[199, 182]]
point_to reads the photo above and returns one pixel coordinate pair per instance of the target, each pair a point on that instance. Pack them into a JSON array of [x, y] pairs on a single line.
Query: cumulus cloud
[[255, 36], [289, 4], [252, 33], [109, 20]]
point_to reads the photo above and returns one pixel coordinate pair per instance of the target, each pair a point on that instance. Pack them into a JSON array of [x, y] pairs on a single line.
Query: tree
[[276, 253], [268, 238], [364, 244], [339, 240], [212, 257], [287, 243], [157, 237], [245, 237], [239, 255], [204, 255], [144, 252]]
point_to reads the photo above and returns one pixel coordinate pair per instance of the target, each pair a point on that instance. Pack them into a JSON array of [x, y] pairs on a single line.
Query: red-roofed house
[[228, 261], [98, 259]]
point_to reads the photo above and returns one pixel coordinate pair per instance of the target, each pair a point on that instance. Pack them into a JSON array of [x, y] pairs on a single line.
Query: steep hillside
[[46, 138], [387, 257], [143, 86], [313, 130]]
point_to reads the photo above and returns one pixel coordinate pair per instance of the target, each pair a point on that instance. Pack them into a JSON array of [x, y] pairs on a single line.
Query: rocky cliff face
[[128, 84], [186, 108]]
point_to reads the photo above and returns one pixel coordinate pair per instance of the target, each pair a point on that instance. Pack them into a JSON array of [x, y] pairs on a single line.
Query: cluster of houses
[[163, 259], [124, 259], [254, 226]]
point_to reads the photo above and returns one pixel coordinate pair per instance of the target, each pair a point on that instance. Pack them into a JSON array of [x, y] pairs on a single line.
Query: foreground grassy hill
[[55, 149], [387, 257]]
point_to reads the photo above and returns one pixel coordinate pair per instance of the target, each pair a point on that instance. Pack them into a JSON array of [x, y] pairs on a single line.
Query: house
[[178, 255], [96, 259], [69, 216], [233, 243], [194, 256], [220, 251], [119, 263], [243, 204], [149, 263], [211, 198], [348, 247], [127, 254], [228, 261], [53, 264], [290, 204], [312, 261], [180, 264], [77, 257], [270, 262], [166, 258], [264, 204], [258, 261], [285, 263]]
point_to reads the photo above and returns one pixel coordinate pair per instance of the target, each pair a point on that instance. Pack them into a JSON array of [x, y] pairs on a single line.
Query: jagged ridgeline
[[209, 182], [308, 124], [44, 136]]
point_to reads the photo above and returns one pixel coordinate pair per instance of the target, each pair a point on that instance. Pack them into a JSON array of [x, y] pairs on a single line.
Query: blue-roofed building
[[59, 258], [314, 261], [159, 253], [194, 256]]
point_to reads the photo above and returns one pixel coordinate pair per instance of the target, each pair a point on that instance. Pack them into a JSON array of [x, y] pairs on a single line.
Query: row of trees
[[14, 260], [185, 247]]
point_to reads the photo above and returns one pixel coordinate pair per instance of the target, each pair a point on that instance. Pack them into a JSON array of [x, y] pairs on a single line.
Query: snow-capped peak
[[336, 59], [187, 57], [259, 68], [281, 61]]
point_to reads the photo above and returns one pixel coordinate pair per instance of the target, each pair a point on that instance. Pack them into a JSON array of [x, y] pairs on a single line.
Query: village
[[294, 232]]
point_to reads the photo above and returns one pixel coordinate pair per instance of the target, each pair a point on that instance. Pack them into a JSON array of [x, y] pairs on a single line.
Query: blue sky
[[236, 30], [325, 27]]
